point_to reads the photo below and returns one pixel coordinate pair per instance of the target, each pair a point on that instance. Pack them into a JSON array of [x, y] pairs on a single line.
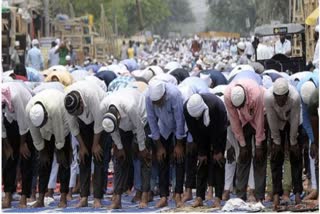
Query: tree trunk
[[46, 17]]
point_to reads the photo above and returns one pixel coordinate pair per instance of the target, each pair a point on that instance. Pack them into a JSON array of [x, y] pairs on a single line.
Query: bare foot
[[23, 202], [39, 203], [197, 202], [162, 203], [49, 193], [297, 198], [187, 196], [69, 196], [144, 200], [285, 198], [63, 201], [178, 200], [116, 202], [210, 193], [276, 202], [97, 203], [226, 195], [62, 204], [251, 197], [6, 203], [312, 195], [217, 203], [150, 196], [137, 197], [83, 202]]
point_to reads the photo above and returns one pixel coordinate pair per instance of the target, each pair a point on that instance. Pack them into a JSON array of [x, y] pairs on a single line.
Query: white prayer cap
[[68, 58], [307, 89], [237, 96], [195, 105], [280, 86], [172, 66], [109, 123], [35, 42], [157, 90], [36, 115], [16, 43], [241, 46]]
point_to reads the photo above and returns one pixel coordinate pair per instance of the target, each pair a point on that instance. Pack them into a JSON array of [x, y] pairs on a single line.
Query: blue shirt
[[34, 75], [196, 84], [168, 118], [93, 67], [247, 75], [305, 113], [35, 59], [131, 64]]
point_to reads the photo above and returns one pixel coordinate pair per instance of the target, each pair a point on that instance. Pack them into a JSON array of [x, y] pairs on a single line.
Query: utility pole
[[138, 4], [46, 17]]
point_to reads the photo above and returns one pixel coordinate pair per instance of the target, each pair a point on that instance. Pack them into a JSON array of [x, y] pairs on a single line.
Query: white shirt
[[131, 105], [167, 78], [264, 52], [249, 49], [53, 57], [91, 95], [58, 123], [20, 96], [283, 48], [279, 116]]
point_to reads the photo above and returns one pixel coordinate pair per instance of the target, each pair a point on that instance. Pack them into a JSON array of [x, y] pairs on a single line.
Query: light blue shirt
[[35, 59], [168, 118], [305, 113], [196, 84], [34, 75], [248, 75], [53, 57]]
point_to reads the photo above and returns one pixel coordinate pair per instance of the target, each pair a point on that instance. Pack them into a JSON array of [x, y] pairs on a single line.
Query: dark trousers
[[217, 178], [122, 170], [87, 133], [146, 164], [122, 167], [211, 173], [63, 173], [164, 168], [107, 157], [316, 163], [259, 167], [296, 164], [10, 165], [191, 170]]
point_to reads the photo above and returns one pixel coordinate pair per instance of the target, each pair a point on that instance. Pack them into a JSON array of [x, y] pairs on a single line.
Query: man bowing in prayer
[[207, 121], [164, 104]]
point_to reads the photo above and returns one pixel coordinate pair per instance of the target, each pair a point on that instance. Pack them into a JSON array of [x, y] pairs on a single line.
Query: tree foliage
[[231, 15], [157, 14]]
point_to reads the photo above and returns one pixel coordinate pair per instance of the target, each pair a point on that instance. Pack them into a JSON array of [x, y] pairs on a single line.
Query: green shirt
[[63, 52]]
